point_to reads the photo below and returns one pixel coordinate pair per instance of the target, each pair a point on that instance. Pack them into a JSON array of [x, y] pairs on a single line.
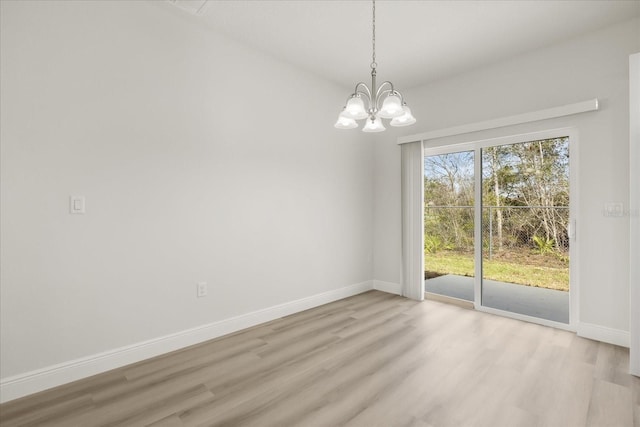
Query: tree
[[449, 190], [525, 189], [533, 175]]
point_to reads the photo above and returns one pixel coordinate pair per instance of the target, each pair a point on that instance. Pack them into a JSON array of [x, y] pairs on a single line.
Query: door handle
[[571, 229]]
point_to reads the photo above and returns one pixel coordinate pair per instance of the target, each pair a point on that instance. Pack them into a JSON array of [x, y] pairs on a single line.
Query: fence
[[503, 227]]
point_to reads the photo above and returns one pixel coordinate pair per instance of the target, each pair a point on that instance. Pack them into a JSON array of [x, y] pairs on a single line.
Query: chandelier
[[364, 102]]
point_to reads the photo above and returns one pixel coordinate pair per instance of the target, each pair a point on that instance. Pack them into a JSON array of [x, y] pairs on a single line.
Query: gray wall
[[592, 66], [200, 160]]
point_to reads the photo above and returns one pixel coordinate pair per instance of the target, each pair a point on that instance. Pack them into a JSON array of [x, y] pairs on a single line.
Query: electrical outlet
[[202, 289]]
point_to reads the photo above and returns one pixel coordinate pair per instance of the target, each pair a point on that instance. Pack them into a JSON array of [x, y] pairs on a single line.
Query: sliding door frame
[[476, 146]]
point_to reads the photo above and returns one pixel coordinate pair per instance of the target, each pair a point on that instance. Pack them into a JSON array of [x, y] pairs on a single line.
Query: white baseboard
[[390, 287], [32, 382], [604, 334]]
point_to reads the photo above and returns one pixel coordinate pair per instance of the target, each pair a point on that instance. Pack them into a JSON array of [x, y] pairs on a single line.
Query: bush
[[432, 244], [543, 244]]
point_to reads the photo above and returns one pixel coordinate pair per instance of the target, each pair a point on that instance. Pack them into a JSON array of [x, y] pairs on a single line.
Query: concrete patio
[[528, 300]]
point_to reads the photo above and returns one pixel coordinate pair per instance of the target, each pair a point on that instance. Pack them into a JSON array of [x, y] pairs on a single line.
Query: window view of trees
[[449, 201], [525, 213]]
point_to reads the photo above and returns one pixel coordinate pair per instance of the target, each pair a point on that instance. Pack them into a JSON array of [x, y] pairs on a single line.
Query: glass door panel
[[449, 224], [525, 217]]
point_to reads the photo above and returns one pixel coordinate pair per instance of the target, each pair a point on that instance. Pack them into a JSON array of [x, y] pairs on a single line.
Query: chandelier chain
[[373, 38]]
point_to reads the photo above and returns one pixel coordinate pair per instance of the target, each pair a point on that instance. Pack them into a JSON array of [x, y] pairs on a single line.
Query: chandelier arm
[[393, 92], [380, 91], [366, 95], [402, 102], [366, 91]]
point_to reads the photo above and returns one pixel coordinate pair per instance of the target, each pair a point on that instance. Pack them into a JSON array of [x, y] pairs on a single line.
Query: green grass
[[553, 275]]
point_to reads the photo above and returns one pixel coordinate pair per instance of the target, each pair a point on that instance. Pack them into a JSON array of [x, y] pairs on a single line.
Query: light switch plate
[[613, 209], [76, 205], [202, 289]]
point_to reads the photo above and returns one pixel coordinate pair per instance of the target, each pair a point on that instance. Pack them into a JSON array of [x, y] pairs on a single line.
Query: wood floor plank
[[51, 412], [610, 405], [171, 421], [612, 364], [198, 355], [61, 395], [164, 411], [374, 359], [573, 386], [315, 365]]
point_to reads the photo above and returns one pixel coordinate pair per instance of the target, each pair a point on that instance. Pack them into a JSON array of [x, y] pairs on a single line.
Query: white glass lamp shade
[[374, 125], [405, 119], [391, 107], [355, 109], [345, 123]]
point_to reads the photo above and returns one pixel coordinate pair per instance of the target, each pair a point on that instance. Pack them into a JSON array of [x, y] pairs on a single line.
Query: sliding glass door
[[497, 217]]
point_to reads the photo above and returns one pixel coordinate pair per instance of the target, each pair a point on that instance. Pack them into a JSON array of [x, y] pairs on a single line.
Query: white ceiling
[[416, 41]]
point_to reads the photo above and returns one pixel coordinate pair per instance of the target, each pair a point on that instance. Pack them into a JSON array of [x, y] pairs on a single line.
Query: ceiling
[[416, 41]]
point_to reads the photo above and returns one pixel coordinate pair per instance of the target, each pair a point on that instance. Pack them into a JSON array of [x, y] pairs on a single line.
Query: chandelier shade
[[355, 108], [391, 107], [346, 123], [376, 102], [373, 124], [405, 119]]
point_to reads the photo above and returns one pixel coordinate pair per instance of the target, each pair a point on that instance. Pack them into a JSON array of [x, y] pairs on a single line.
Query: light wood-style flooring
[[374, 359]]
